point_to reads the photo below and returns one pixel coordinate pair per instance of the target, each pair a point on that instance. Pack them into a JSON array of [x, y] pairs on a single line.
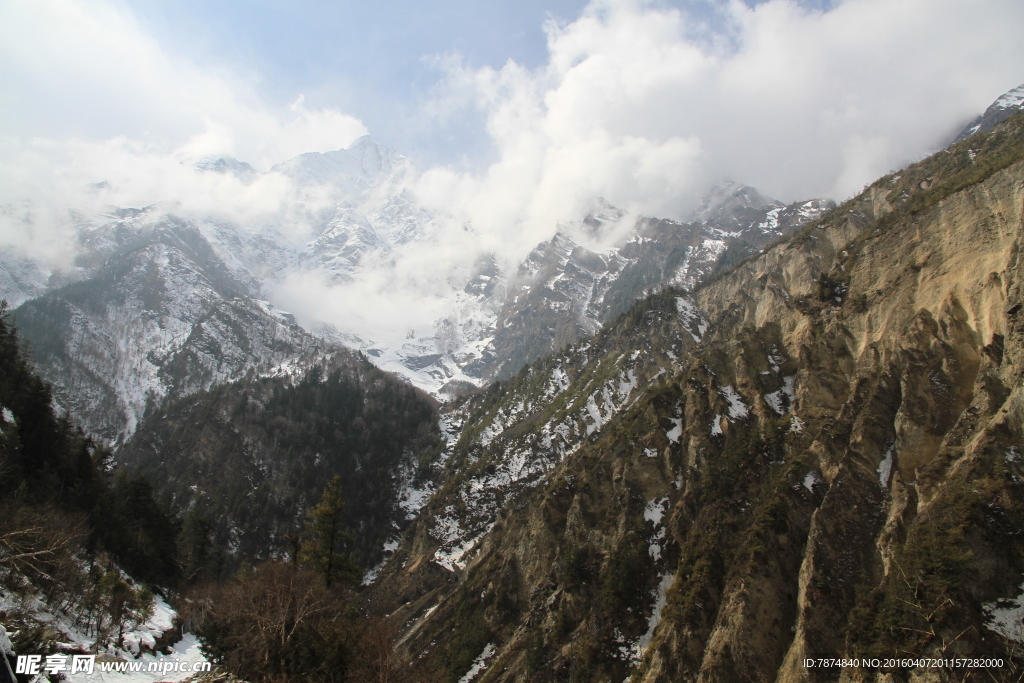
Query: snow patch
[[692, 318], [5, 642], [677, 431], [479, 664], [660, 595], [413, 498], [810, 479], [716, 425], [781, 399], [655, 510], [1007, 617], [737, 408], [885, 467]]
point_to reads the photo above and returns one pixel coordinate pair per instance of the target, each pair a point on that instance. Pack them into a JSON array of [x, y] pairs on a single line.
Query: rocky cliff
[[816, 454]]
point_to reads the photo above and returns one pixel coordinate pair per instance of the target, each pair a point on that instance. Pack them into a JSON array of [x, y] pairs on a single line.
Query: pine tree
[[326, 539]]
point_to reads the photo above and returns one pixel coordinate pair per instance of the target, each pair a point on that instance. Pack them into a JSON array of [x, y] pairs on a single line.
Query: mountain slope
[[818, 454], [251, 456], [1003, 108], [563, 291], [157, 316]]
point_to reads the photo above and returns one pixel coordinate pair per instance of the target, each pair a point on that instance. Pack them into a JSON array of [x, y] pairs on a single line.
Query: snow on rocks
[[559, 382], [479, 664], [522, 461], [781, 399], [885, 467], [810, 479], [5, 642], [655, 510], [716, 425], [1006, 617], [146, 634], [660, 595], [676, 431], [737, 408], [692, 318], [771, 220], [184, 659], [613, 395]]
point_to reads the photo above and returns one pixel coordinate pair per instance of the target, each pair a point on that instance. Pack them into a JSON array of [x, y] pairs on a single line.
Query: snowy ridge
[[175, 304], [1005, 106], [524, 460]]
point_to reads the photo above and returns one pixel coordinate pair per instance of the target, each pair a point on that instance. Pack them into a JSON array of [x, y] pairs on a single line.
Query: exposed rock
[[814, 456]]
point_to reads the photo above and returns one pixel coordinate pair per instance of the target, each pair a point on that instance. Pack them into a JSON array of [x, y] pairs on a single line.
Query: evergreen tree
[[324, 549]]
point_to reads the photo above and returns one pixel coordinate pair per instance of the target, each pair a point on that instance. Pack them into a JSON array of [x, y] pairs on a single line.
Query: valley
[[651, 450]]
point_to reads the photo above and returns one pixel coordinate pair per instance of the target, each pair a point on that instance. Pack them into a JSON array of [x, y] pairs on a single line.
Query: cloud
[[89, 97], [647, 105], [640, 103]]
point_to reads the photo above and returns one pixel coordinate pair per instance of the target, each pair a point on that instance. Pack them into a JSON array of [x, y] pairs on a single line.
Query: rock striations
[[819, 453]]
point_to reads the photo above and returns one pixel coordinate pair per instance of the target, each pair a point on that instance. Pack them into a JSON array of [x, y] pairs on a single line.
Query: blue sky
[[376, 60]]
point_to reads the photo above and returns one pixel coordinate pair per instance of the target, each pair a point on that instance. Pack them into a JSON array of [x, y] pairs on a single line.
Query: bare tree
[[280, 623]]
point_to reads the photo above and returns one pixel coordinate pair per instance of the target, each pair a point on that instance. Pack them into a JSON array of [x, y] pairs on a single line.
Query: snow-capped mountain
[[158, 316], [564, 291], [161, 304], [21, 278], [1003, 108], [348, 173]]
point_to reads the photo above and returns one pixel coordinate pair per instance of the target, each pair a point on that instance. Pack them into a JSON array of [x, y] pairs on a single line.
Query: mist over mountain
[[161, 301], [1003, 108], [667, 381]]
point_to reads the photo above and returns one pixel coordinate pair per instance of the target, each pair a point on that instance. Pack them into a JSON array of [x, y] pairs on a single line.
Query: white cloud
[[642, 105], [89, 97]]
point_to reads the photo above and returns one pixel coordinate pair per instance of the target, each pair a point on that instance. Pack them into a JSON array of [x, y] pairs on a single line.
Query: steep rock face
[[818, 454], [563, 292]]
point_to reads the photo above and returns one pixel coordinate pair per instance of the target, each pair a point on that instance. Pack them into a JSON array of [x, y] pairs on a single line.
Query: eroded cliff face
[[818, 454]]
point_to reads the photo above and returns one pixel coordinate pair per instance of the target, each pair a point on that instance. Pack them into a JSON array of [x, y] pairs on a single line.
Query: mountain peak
[[1003, 108], [361, 166], [226, 165], [364, 141], [727, 204]]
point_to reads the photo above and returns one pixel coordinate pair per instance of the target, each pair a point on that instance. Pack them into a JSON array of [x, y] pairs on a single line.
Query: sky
[[517, 114]]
